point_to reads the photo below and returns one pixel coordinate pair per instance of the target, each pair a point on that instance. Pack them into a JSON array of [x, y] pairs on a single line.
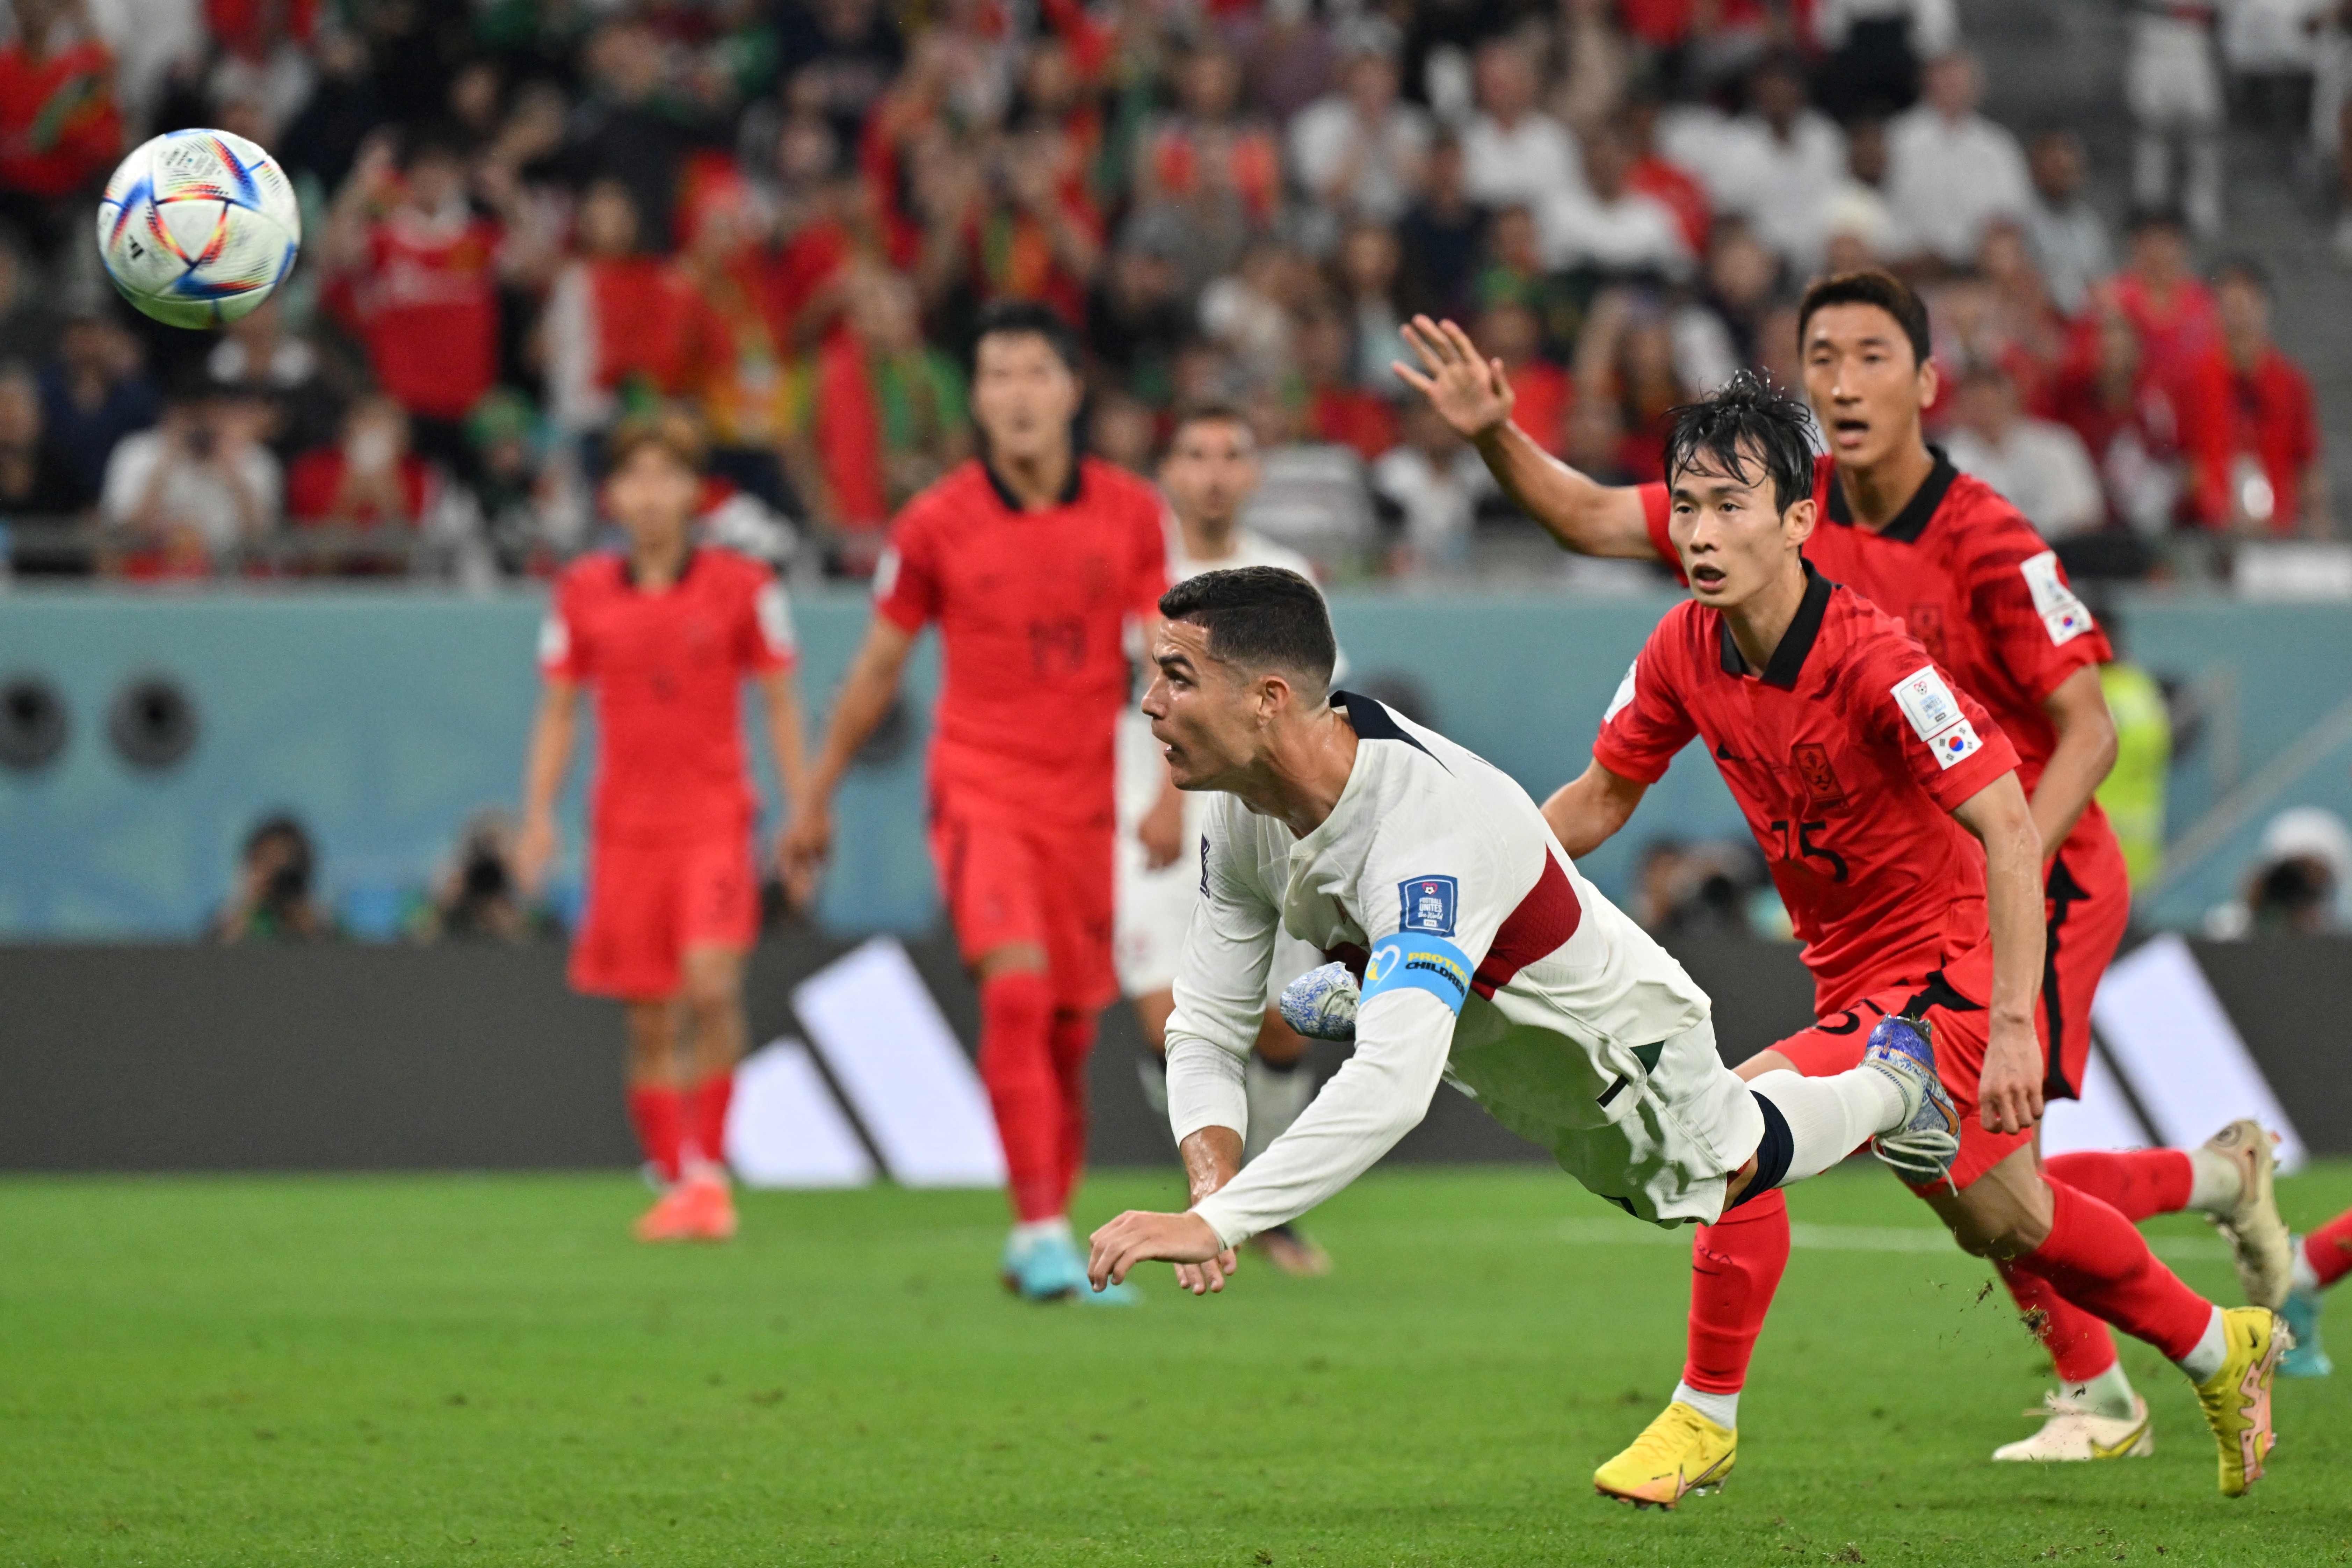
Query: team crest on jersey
[[1812, 760], [1428, 905], [1925, 621], [2064, 616]]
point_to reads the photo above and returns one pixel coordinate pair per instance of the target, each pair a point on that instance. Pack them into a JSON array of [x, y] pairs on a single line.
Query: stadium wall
[[120, 1058], [383, 717]]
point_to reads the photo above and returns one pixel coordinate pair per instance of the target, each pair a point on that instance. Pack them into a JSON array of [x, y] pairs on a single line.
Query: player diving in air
[[1988, 598], [1208, 476], [1487, 957], [1863, 772]]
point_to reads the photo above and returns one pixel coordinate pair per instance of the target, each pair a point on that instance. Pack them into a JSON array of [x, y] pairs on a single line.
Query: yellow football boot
[[1681, 1451], [2237, 1399]]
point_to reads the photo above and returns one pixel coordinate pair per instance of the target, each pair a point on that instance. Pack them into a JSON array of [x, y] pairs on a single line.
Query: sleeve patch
[[885, 573], [1936, 717], [1426, 903], [1417, 963], [554, 642], [2064, 615], [1624, 697], [1956, 745], [775, 619]]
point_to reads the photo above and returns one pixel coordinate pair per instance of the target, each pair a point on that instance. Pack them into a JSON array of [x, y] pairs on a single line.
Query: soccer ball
[[198, 227]]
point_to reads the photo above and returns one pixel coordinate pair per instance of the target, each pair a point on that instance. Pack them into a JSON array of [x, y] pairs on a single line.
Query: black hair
[[436, 139], [1259, 617], [1883, 290], [2155, 215], [1746, 421], [1208, 414], [1026, 316], [2246, 270]]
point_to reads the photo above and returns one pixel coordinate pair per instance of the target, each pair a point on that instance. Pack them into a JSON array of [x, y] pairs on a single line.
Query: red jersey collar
[[629, 569], [1788, 660], [1912, 520], [1068, 496]]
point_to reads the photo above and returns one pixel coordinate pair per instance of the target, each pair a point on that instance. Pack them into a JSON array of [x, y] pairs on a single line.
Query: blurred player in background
[[2319, 1260], [665, 631], [1857, 766], [1033, 561], [1208, 475], [1977, 587]]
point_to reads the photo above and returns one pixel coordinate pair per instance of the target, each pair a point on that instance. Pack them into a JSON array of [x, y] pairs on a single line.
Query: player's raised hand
[[1141, 1237], [2009, 1091], [1469, 390]]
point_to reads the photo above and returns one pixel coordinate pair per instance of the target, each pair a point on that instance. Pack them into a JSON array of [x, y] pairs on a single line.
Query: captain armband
[[1415, 960]]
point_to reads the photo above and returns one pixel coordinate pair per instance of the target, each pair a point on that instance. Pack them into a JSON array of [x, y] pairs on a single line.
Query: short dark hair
[[1883, 290], [1745, 420], [1259, 617], [1017, 317], [2246, 270], [1208, 414]]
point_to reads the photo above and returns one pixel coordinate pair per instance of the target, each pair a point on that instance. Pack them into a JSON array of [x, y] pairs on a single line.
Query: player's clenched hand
[[806, 844], [1139, 1237], [2009, 1091], [1469, 390]]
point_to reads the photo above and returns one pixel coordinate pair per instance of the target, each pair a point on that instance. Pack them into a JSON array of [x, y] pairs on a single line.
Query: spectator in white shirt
[[1605, 227], [1434, 481], [1515, 153], [2172, 83], [2040, 465], [1359, 152], [2068, 237], [1779, 164], [199, 485], [1950, 171]]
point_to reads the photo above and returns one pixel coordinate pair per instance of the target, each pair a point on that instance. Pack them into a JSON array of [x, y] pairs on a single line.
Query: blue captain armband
[[1414, 960]]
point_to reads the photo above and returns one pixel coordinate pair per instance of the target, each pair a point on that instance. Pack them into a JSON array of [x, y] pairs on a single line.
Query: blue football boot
[[1922, 1147], [2305, 1358], [1049, 1269]]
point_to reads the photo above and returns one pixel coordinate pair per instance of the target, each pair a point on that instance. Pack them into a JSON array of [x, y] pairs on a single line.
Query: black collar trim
[[1912, 520], [1068, 496], [1788, 660], [1373, 721], [629, 567]]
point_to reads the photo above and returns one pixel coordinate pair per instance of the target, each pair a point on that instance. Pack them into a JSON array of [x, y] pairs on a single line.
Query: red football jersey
[[1847, 756], [428, 307], [667, 672], [1968, 576], [1032, 608]]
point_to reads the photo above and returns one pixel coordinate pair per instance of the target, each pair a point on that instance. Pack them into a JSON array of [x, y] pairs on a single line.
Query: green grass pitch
[[455, 1370]]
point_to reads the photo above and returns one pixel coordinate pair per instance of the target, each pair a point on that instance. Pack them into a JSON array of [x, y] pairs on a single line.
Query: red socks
[[2328, 1249], [1017, 1064], [1736, 1265], [2096, 1261], [2135, 1184], [659, 1113], [2079, 1344], [1072, 1042], [706, 1118]]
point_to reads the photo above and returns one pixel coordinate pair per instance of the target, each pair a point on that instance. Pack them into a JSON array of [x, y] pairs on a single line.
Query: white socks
[[2108, 1394], [2307, 1277], [1029, 1232], [2212, 1350], [2215, 1181], [1723, 1409], [1828, 1118], [1276, 1096]]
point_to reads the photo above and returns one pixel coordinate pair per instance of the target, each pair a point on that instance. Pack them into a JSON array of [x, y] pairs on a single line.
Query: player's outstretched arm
[[1586, 811], [866, 697], [1472, 394], [548, 757], [1211, 1156], [2078, 764], [2010, 1088]]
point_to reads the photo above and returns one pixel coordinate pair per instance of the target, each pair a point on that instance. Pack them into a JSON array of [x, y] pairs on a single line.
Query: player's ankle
[[1723, 1409], [2216, 1180], [1028, 1232], [2307, 1277], [2109, 1393], [2211, 1350]]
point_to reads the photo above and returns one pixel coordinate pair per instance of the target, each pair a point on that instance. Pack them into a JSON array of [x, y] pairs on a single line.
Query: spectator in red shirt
[[60, 127], [1509, 331], [369, 481], [1337, 409], [614, 316], [2126, 418], [2171, 310], [417, 274], [2248, 422], [1653, 174], [1209, 141]]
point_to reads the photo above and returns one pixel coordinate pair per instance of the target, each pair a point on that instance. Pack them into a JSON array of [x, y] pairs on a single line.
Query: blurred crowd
[[524, 217]]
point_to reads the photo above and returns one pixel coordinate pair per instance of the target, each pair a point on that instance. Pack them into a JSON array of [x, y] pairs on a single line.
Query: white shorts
[[1155, 907], [1669, 1142]]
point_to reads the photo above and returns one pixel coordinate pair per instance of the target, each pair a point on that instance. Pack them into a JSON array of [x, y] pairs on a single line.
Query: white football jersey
[[1489, 959]]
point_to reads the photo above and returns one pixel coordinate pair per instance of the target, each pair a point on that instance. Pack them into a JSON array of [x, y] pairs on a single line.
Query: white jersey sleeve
[[1221, 982], [1430, 903]]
